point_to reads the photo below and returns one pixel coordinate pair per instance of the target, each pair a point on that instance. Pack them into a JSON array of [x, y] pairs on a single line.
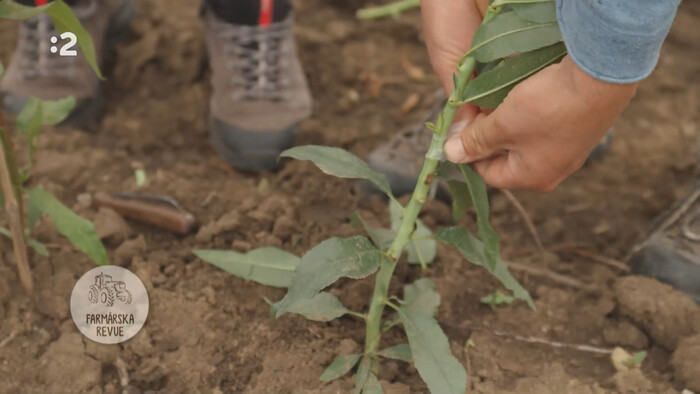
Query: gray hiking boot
[[260, 94], [671, 252], [37, 72]]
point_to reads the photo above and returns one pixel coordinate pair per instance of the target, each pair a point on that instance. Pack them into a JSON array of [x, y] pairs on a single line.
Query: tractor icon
[[105, 289]]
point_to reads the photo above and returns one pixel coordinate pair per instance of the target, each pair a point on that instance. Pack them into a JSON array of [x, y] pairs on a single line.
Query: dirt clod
[[665, 314], [227, 222], [53, 305], [625, 334], [284, 228], [128, 249], [686, 362], [110, 226], [67, 368], [631, 381]]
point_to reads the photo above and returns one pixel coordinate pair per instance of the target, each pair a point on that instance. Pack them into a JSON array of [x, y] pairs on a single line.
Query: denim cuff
[[616, 41]]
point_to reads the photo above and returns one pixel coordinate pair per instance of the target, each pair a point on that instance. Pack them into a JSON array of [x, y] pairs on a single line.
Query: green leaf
[[322, 307], [33, 214], [489, 89], [480, 198], [372, 385], [2, 69], [80, 232], [636, 360], [400, 352], [381, 237], [440, 370], [339, 367], [420, 251], [472, 249], [363, 372], [496, 298], [140, 177], [420, 297], [507, 34], [461, 199], [327, 262], [29, 123], [38, 247], [56, 111], [340, 163], [63, 20], [268, 266], [37, 113], [543, 12]]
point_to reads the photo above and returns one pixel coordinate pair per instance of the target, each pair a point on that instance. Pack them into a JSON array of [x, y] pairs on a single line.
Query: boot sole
[[250, 150]]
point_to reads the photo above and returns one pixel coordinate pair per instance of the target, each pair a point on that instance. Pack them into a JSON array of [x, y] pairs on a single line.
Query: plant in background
[[36, 114], [517, 39]]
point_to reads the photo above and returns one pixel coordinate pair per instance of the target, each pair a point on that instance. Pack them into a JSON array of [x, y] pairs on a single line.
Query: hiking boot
[[260, 94], [671, 252], [35, 71]]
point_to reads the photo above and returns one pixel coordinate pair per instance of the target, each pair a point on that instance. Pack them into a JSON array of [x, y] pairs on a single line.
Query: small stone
[[241, 245], [284, 228]]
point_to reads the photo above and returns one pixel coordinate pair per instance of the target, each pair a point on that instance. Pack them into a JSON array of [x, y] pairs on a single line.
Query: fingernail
[[455, 151], [457, 127]]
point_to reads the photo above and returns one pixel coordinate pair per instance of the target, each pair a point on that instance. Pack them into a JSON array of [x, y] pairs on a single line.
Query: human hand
[[545, 128], [543, 131]]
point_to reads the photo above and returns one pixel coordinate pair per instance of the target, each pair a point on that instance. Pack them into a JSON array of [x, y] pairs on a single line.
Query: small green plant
[[517, 39], [495, 299], [635, 362], [36, 114]]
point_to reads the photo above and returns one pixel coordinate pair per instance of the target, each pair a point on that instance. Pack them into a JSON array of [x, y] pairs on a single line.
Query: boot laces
[[256, 55], [36, 58]]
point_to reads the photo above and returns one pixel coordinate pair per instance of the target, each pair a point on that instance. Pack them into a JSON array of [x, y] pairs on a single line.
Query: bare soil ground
[[210, 332]]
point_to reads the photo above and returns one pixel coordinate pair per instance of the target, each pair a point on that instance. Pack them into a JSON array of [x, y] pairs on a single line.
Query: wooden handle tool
[[160, 211]]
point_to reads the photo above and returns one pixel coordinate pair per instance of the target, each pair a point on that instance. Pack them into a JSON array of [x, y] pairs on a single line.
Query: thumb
[[483, 138]]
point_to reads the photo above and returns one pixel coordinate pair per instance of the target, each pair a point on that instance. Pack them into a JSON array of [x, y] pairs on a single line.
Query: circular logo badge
[[109, 304]]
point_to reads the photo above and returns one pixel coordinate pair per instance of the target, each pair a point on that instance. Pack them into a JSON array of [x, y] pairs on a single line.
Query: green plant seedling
[[496, 298], [517, 39], [34, 116], [635, 362]]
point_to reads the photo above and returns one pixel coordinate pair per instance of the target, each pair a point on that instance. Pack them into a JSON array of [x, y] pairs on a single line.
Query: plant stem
[[410, 213], [13, 207], [392, 9]]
